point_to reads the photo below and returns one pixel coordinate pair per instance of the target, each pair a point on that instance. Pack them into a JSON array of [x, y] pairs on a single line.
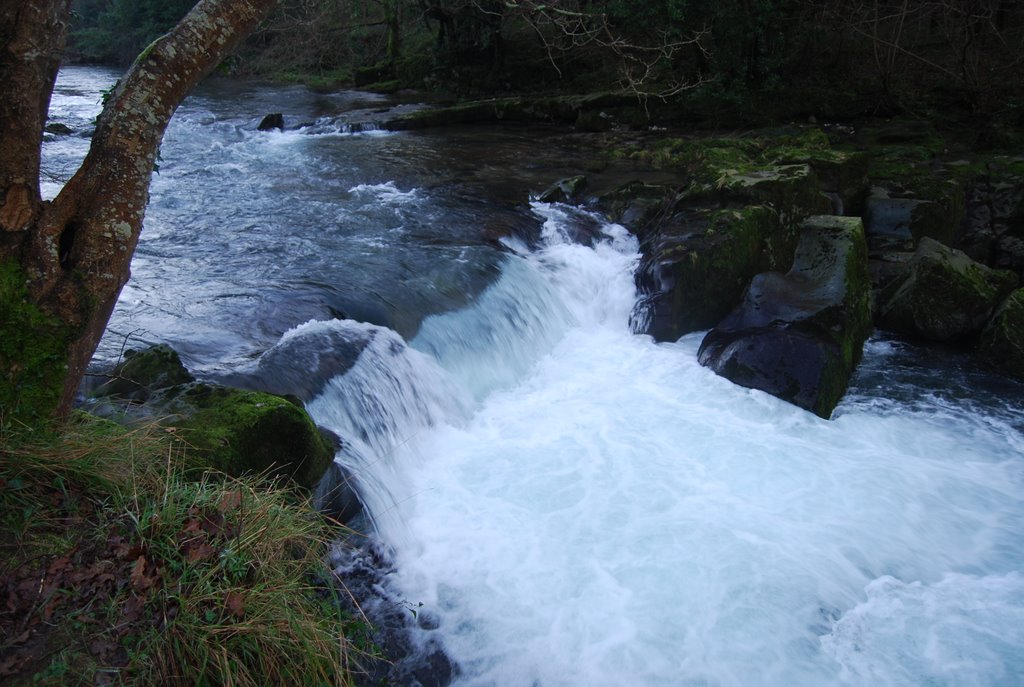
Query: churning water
[[578, 505]]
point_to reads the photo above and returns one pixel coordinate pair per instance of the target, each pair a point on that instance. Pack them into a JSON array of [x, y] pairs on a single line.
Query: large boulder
[[237, 432], [697, 266], [943, 295], [1002, 342], [799, 335], [143, 372], [306, 358]]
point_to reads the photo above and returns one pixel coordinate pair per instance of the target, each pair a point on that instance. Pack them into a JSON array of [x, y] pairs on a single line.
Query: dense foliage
[[115, 31]]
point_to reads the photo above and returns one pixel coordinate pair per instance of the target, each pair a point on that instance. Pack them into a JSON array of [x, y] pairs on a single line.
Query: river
[[573, 504]]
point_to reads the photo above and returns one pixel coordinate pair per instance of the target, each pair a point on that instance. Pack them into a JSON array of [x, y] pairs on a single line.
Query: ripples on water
[[577, 504]]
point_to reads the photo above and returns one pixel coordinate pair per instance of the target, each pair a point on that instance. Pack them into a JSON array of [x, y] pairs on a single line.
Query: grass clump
[[117, 567]]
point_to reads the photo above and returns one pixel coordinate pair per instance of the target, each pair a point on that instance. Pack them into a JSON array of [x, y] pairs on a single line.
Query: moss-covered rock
[[798, 336], [943, 296], [238, 432], [1002, 342], [144, 371], [564, 190]]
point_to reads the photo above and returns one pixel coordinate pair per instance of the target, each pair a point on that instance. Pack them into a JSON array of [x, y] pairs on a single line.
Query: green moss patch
[[33, 353], [241, 432]]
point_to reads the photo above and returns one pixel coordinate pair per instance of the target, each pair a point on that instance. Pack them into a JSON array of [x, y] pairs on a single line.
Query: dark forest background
[[843, 58]]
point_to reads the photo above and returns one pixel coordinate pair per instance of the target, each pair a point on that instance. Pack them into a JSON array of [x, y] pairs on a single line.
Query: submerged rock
[[58, 129], [799, 335], [271, 121], [1002, 342], [943, 295], [143, 372], [307, 358], [407, 649]]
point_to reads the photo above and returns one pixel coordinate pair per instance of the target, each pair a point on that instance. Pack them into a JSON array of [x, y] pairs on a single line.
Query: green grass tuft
[[120, 568]]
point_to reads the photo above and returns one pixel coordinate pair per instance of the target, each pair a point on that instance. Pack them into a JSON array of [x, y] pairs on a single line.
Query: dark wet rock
[[636, 205], [698, 265], [799, 335], [564, 191], [237, 431], [143, 372], [1002, 342], [335, 495], [888, 221], [271, 121], [943, 296], [992, 231], [594, 121], [841, 174], [306, 359], [58, 129], [408, 651]]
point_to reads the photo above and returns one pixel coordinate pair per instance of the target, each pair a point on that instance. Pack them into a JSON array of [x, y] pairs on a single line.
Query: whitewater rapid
[[576, 505], [611, 513]]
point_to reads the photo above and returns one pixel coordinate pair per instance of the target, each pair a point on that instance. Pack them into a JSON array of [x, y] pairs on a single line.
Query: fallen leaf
[[235, 603], [192, 525], [199, 552], [140, 580], [231, 500]]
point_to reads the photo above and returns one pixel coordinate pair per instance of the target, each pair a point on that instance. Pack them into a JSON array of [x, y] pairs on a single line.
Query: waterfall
[[604, 511]]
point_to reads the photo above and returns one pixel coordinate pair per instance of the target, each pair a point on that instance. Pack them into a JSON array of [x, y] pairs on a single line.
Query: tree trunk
[[63, 263]]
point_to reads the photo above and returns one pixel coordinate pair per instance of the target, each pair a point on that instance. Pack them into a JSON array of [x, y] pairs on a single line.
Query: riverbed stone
[[1002, 342], [943, 295], [236, 431], [799, 335]]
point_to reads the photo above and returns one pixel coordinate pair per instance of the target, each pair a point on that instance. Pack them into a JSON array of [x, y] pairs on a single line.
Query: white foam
[[621, 515], [962, 630]]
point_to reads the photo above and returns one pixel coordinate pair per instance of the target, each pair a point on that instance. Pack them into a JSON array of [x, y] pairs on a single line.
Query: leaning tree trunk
[[63, 263]]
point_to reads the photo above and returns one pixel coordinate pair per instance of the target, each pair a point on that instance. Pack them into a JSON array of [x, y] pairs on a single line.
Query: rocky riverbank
[[935, 239]]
